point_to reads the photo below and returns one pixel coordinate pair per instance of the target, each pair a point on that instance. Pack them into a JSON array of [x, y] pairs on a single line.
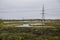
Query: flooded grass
[[10, 31]]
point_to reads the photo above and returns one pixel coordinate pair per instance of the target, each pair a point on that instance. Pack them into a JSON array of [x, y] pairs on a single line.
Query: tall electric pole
[[43, 12], [43, 17]]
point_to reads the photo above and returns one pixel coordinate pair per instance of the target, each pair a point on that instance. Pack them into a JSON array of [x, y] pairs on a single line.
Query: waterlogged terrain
[[10, 31]]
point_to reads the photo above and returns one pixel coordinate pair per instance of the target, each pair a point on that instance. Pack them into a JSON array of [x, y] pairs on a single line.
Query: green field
[[29, 33], [14, 23], [9, 31]]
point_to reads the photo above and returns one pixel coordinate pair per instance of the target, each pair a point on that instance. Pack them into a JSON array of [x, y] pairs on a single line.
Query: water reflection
[[24, 25]]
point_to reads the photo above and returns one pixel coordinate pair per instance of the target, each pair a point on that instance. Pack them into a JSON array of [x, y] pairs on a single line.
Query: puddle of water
[[24, 25]]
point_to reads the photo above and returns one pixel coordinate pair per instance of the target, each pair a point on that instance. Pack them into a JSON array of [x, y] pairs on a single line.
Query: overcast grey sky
[[29, 9]]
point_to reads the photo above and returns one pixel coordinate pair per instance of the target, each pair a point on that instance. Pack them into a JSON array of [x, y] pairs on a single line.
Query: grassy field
[[9, 31], [29, 33], [14, 23]]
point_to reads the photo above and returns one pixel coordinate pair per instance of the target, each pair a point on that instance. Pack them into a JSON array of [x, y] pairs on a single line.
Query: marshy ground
[[10, 31]]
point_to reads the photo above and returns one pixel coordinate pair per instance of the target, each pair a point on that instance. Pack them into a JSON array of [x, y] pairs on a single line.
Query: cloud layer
[[29, 9]]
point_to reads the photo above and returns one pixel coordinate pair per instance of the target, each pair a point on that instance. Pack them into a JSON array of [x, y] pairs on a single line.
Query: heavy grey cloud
[[29, 9]]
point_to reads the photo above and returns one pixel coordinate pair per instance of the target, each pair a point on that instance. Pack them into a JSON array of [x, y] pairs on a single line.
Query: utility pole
[[43, 17], [43, 12]]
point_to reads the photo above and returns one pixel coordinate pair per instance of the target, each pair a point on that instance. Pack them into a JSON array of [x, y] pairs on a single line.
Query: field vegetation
[[29, 33]]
